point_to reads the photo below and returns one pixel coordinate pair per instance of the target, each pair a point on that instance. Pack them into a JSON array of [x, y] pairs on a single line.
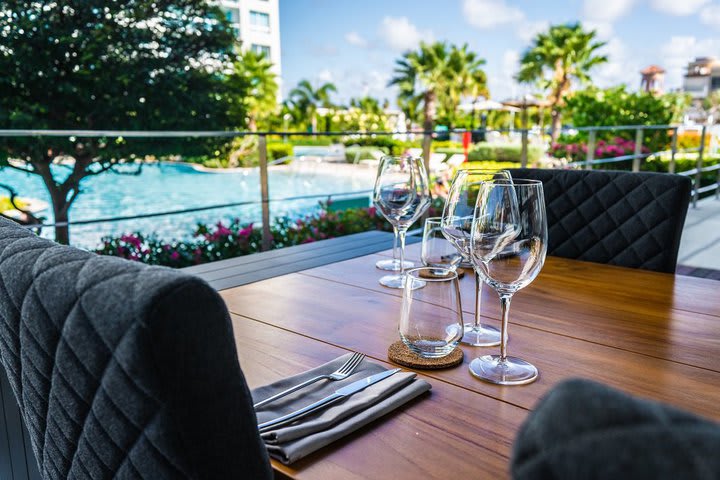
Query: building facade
[[702, 77], [257, 26]]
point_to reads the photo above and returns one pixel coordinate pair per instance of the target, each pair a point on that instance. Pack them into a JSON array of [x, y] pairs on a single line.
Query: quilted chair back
[[122, 370], [619, 218]]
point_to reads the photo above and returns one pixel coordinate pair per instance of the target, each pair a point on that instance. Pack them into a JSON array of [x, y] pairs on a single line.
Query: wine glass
[[402, 195], [508, 245], [456, 226]]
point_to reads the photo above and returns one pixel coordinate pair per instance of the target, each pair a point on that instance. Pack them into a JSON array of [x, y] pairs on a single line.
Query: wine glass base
[[513, 371], [392, 265], [480, 336], [398, 281]]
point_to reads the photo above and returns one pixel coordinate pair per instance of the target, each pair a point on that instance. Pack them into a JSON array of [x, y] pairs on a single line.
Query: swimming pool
[[171, 186]]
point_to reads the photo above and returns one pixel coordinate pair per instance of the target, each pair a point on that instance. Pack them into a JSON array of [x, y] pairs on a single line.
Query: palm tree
[[307, 99], [437, 74], [564, 53], [367, 104], [255, 71]]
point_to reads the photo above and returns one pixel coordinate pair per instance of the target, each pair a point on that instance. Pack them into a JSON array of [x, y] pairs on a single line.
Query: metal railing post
[[638, 150], [524, 139], [590, 154], [426, 144], [673, 151], [699, 166], [264, 193]]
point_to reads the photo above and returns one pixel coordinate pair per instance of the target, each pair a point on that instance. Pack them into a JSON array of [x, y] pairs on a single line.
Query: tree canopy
[[557, 57], [438, 75], [133, 65]]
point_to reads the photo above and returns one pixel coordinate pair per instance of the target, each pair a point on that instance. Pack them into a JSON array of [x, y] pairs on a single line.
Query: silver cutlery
[[340, 393], [345, 370]]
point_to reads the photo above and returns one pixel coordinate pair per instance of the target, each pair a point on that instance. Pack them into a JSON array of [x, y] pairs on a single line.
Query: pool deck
[[700, 245]]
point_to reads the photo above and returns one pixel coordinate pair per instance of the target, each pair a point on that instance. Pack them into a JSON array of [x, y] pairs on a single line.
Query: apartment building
[[257, 25]]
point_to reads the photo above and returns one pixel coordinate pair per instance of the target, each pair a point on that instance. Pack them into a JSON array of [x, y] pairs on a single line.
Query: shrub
[[503, 153], [391, 145], [276, 150], [617, 147], [691, 139]]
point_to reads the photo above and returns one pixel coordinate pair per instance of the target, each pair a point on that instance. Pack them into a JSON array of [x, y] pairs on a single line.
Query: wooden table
[[650, 334]]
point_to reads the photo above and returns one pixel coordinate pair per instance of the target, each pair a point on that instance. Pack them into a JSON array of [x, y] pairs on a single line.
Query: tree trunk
[[62, 233], [555, 126], [429, 111], [252, 124]]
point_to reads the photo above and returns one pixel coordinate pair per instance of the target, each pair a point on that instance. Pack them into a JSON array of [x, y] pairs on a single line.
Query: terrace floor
[[699, 254]]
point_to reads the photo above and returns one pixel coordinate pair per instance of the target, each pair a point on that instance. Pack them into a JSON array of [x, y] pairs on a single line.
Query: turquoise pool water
[[168, 186]]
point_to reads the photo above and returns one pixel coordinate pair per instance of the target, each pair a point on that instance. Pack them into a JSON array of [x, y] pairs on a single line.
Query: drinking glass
[[437, 251], [508, 245], [457, 225], [402, 195], [431, 316]]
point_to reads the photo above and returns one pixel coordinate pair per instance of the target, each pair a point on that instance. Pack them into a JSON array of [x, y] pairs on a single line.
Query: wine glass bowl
[[457, 220], [508, 245], [401, 195]]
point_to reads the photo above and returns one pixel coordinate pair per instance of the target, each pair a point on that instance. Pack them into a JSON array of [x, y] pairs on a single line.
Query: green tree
[[557, 57], [106, 65], [257, 85], [616, 106], [305, 100], [367, 105], [437, 75]]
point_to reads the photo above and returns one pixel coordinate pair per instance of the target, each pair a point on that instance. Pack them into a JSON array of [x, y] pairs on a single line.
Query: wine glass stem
[[478, 286], [504, 312], [395, 243], [401, 234]]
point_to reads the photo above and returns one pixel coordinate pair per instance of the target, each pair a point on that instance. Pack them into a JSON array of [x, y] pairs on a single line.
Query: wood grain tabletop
[[650, 334]]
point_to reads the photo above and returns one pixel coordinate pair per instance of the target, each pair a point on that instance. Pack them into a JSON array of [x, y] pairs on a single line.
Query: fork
[[345, 370]]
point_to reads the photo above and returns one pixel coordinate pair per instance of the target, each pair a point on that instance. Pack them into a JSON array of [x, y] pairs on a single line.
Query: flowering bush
[[216, 242], [616, 147]]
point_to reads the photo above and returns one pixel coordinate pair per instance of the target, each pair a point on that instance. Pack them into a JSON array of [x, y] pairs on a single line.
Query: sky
[[355, 43]]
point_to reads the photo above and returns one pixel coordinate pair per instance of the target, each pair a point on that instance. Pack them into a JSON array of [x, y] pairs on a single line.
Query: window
[[715, 83], [259, 19], [232, 15], [261, 49]]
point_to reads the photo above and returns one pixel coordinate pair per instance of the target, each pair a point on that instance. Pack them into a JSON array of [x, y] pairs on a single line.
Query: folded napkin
[[292, 442], [583, 429]]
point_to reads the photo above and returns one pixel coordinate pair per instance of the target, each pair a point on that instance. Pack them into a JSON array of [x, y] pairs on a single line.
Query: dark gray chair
[[586, 430], [619, 218], [122, 370]]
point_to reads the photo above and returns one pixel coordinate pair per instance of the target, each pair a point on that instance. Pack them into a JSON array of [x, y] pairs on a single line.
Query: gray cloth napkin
[[293, 442]]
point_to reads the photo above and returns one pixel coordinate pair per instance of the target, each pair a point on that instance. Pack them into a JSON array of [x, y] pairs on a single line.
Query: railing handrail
[[242, 133]]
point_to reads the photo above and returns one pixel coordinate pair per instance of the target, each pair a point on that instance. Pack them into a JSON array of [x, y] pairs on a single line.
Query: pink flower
[[174, 256]]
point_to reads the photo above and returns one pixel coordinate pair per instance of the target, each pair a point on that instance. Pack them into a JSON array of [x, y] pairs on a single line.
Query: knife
[[340, 393]]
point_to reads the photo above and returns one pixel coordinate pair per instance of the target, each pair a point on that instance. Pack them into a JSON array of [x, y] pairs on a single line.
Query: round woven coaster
[[427, 274], [399, 353]]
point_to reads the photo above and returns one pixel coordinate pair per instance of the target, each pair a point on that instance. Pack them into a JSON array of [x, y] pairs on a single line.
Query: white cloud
[[606, 10], [622, 66], [501, 83], [528, 30], [485, 14], [325, 76], [401, 35], [710, 15], [354, 38], [604, 30], [679, 7], [680, 50]]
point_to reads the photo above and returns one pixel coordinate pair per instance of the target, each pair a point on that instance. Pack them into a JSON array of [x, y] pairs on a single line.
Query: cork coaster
[[427, 274], [399, 353]]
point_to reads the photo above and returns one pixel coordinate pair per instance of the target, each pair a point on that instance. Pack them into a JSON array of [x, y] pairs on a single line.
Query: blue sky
[[354, 43]]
